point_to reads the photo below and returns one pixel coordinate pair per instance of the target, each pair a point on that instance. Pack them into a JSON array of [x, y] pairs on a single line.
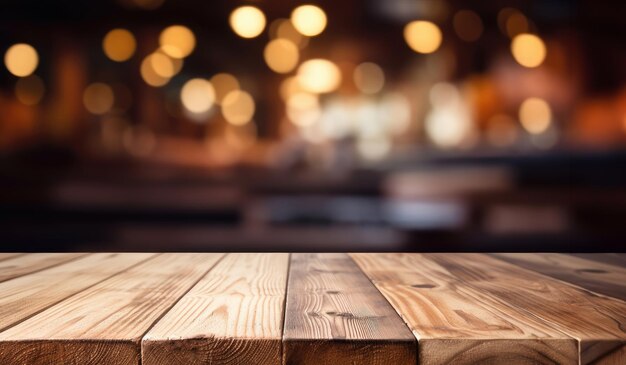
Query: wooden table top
[[279, 308]]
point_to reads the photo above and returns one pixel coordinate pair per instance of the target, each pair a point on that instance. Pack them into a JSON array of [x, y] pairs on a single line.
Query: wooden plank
[[27, 295], [26, 264], [9, 255], [458, 326], [598, 322], [592, 275], [104, 324], [616, 259], [234, 315], [335, 315]]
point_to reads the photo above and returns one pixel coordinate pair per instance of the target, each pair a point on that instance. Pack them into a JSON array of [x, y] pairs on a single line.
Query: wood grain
[[9, 255], [29, 294], [454, 325], [25, 264], [592, 275], [104, 324], [334, 315], [598, 322], [234, 315], [616, 259]]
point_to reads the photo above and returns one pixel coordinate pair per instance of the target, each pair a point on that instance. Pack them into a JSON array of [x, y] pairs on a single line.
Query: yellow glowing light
[[288, 87], [283, 28], [422, 36], [528, 50], [149, 74], [223, 83], [21, 59], [119, 45], [238, 107], [29, 90], [319, 76], [517, 23], [535, 115], [177, 41], [247, 21], [197, 95], [309, 20], [369, 78], [467, 25], [98, 98], [162, 65], [303, 109], [281, 55]]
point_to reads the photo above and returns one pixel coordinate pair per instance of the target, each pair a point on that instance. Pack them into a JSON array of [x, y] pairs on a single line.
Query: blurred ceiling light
[[449, 122], [197, 96], [283, 28], [373, 149], [119, 45], [303, 109], [369, 78], [309, 20], [98, 98], [535, 115], [30, 90], [247, 21], [223, 83], [162, 65], [288, 87], [528, 50], [319, 76], [423, 36], [21, 59], [281, 55], [177, 41], [468, 25], [517, 23], [149, 74], [238, 107], [502, 131]]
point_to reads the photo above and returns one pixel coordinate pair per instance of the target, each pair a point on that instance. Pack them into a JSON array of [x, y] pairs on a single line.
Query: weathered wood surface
[[29, 294], [14, 267], [166, 309], [458, 325], [616, 259], [592, 275], [105, 323], [234, 315], [334, 315], [598, 322]]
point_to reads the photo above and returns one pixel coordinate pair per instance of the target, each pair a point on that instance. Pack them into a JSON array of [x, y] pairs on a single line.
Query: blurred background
[[354, 125]]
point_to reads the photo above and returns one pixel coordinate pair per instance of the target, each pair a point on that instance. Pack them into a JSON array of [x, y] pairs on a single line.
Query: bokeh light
[[149, 74], [21, 59], [238, 107], [528, 50], [423, 36], [197, 95], [319, 76], [247, 21], [223, 83], [369, 78], [303, 109], [468, 25], [283, 28], [281, 55], [535, 115], [373, 149], [177, 41], [30, 90], [119, 44], [309, 20], [289, 87], [98, 98]]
